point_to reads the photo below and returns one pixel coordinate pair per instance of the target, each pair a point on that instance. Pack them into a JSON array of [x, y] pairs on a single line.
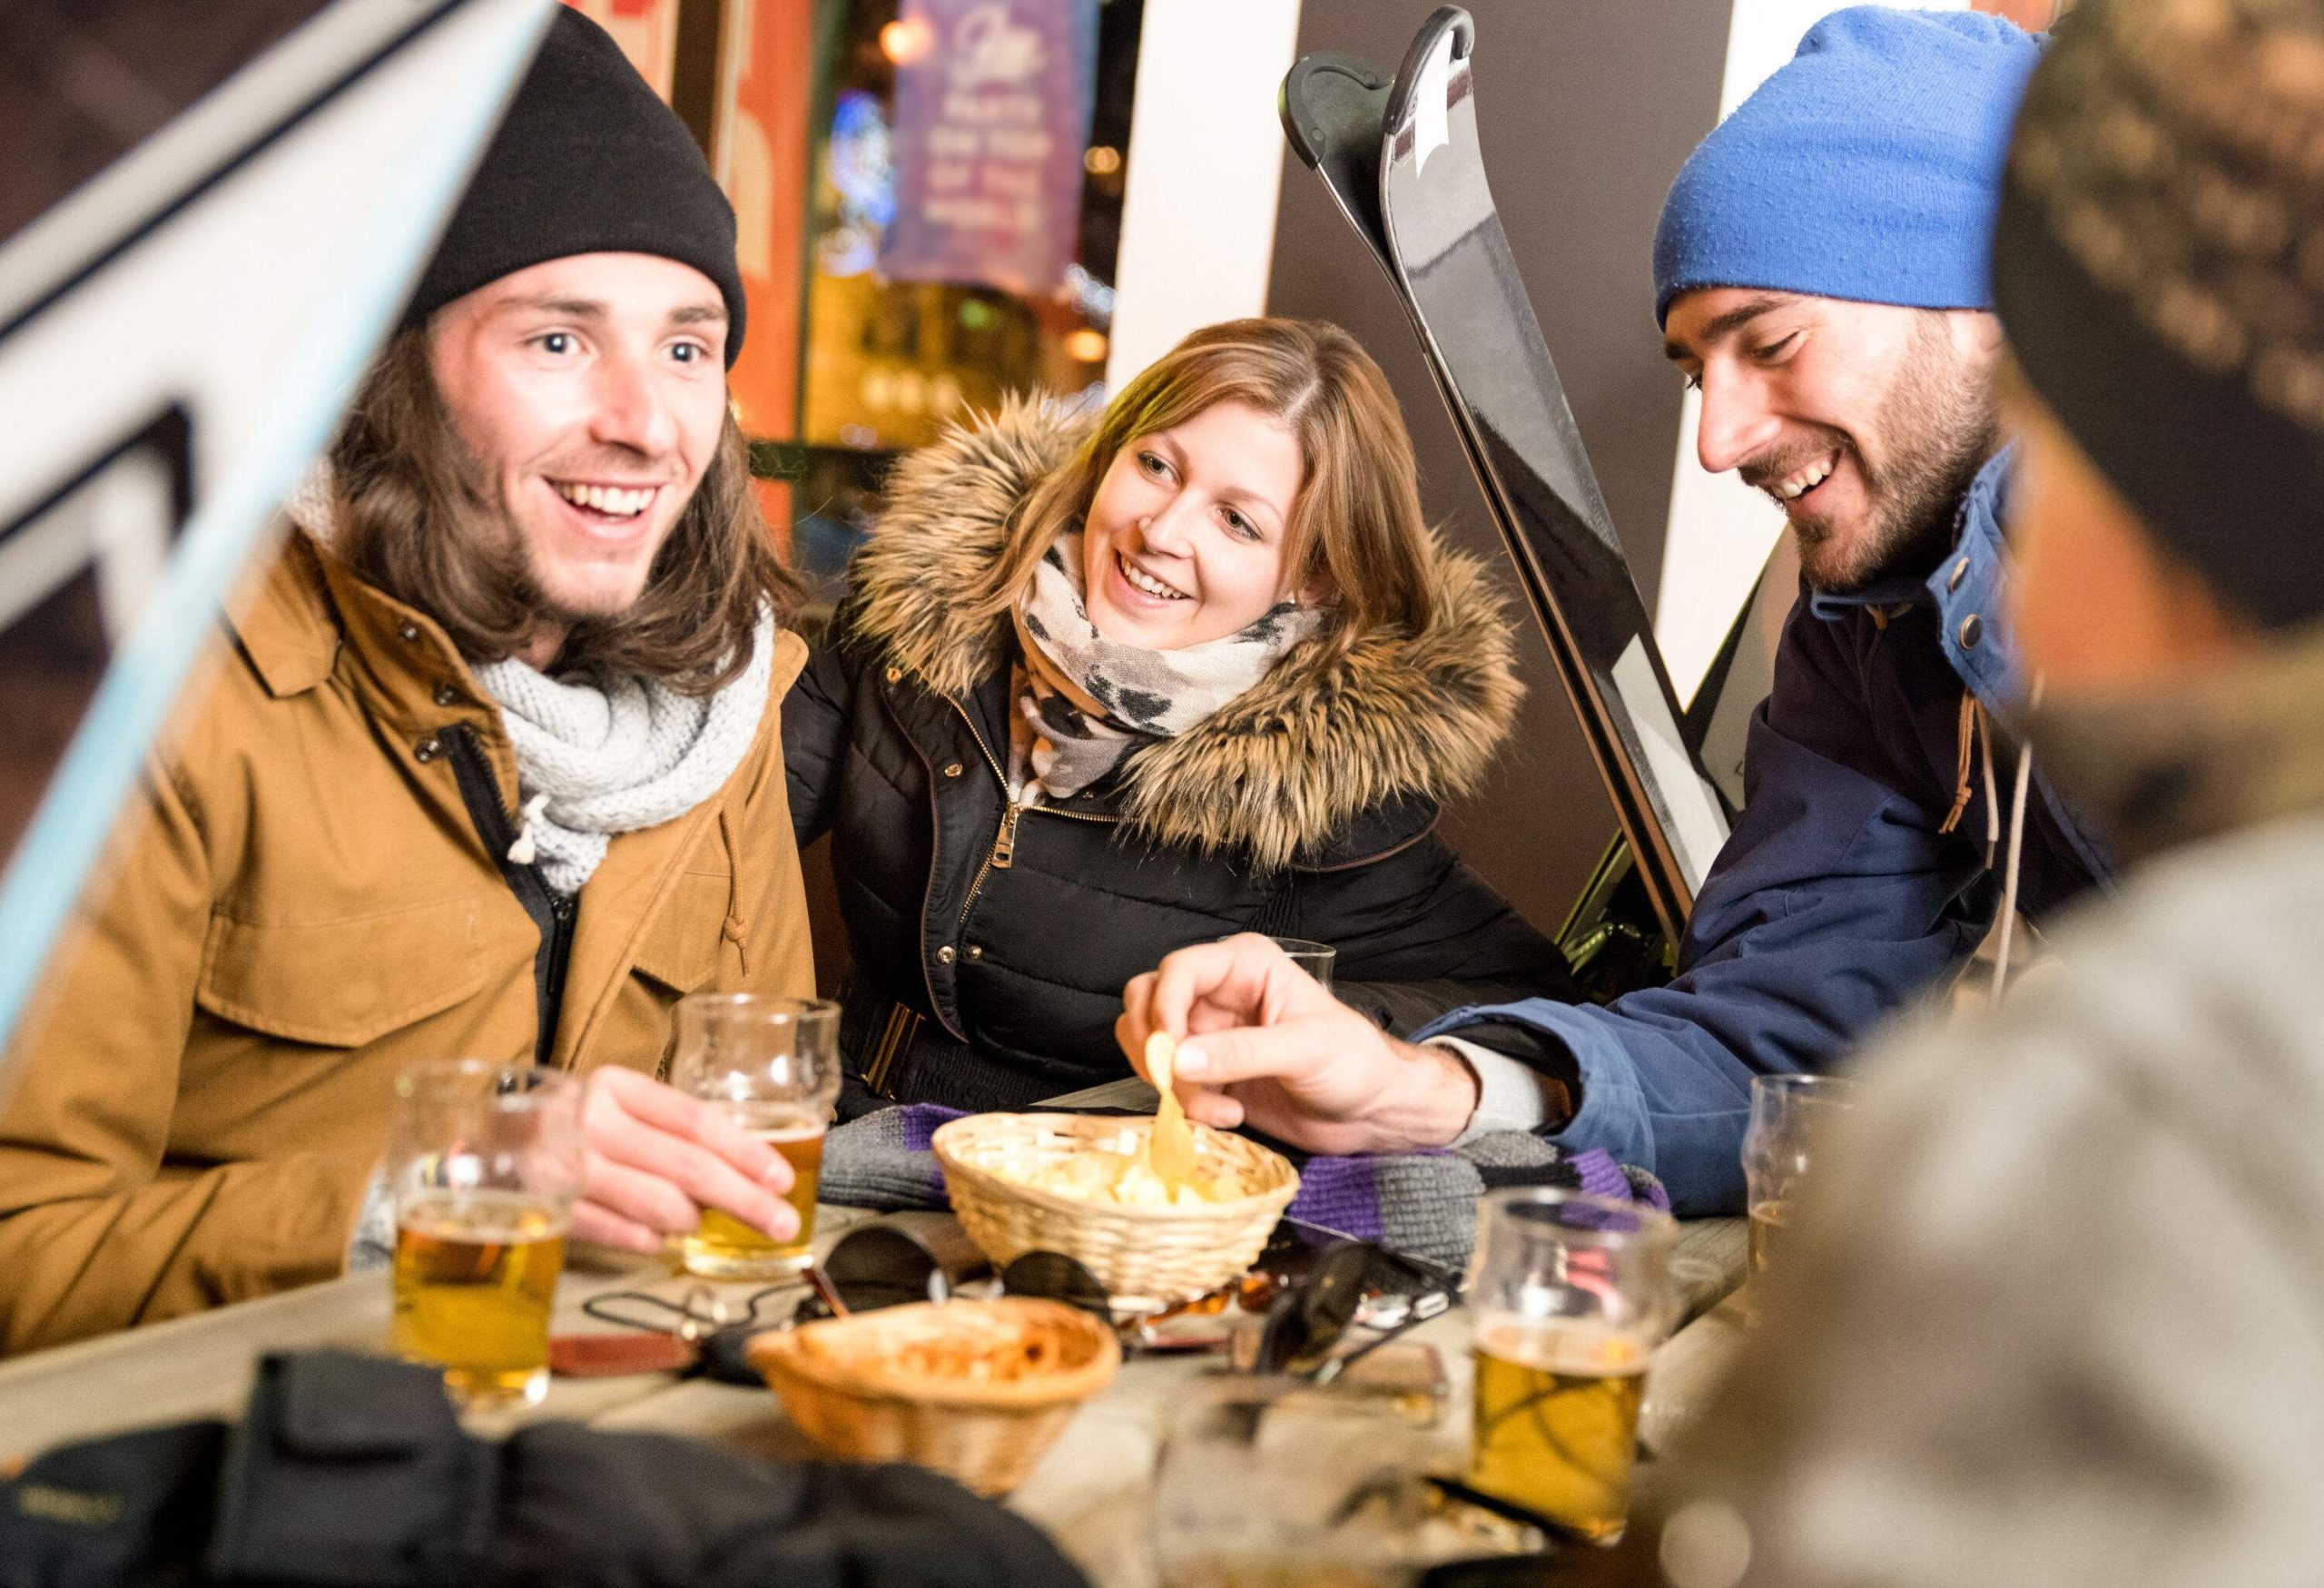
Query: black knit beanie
[[587, 161], [2159, 266]]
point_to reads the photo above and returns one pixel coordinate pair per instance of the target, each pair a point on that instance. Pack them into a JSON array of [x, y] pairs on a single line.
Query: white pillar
[[1206, 168]]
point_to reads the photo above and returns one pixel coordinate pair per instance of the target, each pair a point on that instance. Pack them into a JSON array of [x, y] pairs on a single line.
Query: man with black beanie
[[2055, 1315], [487, 766]]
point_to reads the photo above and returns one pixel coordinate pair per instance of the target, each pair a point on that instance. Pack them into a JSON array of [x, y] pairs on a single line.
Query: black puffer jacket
[[990, 957]]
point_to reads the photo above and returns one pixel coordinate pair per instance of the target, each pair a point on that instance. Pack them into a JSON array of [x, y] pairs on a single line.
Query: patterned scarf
[[1084, 703]]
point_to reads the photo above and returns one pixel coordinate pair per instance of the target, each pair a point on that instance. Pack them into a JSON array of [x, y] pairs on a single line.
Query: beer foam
[[483, 1217], [1576, 1349], [779, 1122]]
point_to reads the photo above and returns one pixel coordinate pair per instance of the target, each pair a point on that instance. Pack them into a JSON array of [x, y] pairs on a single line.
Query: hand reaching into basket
[[1260, 1042]]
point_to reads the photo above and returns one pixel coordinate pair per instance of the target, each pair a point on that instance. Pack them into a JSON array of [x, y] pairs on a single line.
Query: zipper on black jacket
[[552, 912], [1004, 843]]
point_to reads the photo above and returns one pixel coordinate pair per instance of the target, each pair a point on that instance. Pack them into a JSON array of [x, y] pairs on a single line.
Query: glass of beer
[[772, 1063], [1571, 1294], [485, 1160], [1790, 1115], [1314, 958]]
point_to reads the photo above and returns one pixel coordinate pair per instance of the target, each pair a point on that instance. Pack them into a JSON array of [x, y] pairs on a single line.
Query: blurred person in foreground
[[2058, 1314], [486, 764], [1821, 275]]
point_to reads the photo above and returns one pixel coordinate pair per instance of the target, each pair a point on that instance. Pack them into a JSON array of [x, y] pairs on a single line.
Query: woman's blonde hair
[[1356, 523]]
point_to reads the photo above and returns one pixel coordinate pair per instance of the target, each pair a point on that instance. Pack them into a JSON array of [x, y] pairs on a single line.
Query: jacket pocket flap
[[679, 947], [344, 983]]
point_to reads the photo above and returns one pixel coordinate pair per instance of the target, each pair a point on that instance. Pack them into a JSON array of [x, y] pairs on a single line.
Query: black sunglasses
[[1335, 1283], [881, 1266]]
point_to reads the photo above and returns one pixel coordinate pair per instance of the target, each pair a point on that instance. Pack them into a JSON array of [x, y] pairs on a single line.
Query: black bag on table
[[353, 1471]]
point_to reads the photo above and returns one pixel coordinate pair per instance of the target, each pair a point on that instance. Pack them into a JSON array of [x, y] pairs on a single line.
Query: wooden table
[[1091, 1492]]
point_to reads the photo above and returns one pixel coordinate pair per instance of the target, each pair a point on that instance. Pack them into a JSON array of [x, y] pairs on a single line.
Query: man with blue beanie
[[1821, 274]]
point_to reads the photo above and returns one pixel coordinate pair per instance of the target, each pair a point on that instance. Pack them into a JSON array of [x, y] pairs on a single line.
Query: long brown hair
[[413, 521], [1356, 522]]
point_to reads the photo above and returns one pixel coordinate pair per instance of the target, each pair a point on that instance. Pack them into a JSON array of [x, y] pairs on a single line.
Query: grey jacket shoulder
[[2059, 1311]]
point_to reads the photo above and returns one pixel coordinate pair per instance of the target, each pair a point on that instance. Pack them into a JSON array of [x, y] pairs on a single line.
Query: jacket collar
[[1279, 773], [1964, 591], [285, 625]]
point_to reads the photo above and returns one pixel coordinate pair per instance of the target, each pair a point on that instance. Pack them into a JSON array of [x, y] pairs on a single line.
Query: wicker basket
[[1145, 1256], [861, 1387]]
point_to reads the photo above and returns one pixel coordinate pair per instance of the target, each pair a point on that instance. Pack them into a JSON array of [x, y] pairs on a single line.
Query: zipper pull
[[1004, 846]]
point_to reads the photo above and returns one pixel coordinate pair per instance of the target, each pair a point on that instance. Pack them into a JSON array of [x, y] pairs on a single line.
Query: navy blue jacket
[[1837, 899]]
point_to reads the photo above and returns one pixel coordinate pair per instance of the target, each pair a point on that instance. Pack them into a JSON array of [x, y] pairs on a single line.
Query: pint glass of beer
[[772, 1063], [485, 1160], [1791, 1116], [1571, 1296]]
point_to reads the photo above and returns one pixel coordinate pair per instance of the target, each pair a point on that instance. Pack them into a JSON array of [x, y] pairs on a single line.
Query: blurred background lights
[[907, 40]]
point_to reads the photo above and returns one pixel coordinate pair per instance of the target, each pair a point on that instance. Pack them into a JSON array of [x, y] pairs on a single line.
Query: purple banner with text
[[992, 109]]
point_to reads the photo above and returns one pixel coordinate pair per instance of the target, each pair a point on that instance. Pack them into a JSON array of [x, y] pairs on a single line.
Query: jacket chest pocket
[[679, 948], [346, 983]]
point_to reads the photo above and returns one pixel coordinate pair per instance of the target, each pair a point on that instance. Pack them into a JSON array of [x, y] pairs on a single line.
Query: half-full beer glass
[[1791, 1116], [772, 1063], [1571, 1294], [485, 1160]]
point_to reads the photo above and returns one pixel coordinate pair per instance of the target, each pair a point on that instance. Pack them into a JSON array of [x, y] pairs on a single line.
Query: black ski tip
[[1442, 19], [1312, 100]]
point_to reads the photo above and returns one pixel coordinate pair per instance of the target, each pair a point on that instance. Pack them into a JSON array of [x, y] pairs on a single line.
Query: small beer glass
[[1791, 1116], [772, 1063], [1314, 958], [1571, 1294], [485, 1160]]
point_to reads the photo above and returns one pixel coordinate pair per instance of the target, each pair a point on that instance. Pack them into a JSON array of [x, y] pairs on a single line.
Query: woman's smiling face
[[1184, 541]]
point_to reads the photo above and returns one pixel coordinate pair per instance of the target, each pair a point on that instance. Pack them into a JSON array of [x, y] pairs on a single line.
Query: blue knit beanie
[[1868, 167]]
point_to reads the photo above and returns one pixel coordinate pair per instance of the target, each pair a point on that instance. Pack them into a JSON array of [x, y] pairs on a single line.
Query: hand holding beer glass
[[772, 1063], [1572, 1294], [1790, 1115], [485, 1160]]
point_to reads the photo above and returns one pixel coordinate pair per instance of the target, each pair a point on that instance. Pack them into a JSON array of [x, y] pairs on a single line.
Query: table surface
[[1091, 1492]]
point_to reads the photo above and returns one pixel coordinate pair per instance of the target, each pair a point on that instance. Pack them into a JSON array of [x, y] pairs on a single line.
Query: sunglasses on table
[[1311, 1286]]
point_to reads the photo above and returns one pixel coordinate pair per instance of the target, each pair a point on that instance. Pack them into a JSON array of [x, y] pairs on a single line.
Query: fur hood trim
[[1274, 774]]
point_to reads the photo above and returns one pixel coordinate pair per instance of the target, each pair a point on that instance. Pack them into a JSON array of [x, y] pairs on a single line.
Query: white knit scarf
[[1083, 701], [598, 757]]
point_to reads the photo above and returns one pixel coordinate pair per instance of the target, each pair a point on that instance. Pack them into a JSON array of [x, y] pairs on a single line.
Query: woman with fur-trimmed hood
[[1101, 692]]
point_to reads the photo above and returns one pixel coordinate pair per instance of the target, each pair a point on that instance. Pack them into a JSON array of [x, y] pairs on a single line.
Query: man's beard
[[1938, 424], [504, 545]]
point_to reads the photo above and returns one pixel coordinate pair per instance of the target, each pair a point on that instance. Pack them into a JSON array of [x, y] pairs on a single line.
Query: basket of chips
[[977, 1390], [1084, 1185]]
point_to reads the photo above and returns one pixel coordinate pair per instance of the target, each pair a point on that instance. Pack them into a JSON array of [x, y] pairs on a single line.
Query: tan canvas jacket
[[300, 905]]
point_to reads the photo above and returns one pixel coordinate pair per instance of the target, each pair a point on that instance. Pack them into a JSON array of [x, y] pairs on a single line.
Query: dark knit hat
[[2159, 263], [587, 161]]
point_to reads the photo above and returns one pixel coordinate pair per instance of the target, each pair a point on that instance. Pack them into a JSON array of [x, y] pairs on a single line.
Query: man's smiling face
[[1864, 421], [590, 391]]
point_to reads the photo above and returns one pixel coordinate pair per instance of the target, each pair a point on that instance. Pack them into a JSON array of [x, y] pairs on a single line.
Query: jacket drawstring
[[1992, 799], [1976, 742], [2016, 855], [1965, 738], [734, 929], [525, 849]]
